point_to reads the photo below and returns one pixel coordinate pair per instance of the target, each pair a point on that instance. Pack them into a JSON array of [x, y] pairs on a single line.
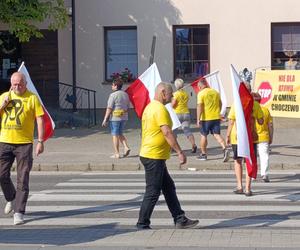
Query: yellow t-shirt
[[256, 114], [231, 116], [18, 118], [154, 144], [182, 99], [263, 130], [210, 98]]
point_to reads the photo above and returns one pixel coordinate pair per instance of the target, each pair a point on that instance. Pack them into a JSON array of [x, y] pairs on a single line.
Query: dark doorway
[[10, 58], [41, 60]]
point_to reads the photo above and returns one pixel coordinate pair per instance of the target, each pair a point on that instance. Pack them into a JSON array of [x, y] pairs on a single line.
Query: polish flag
[[213, 81], [243, 103], [142, 91], [48, 122]]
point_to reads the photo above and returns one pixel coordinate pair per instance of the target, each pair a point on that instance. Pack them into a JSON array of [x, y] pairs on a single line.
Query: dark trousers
[[157, 180], [23, 155]]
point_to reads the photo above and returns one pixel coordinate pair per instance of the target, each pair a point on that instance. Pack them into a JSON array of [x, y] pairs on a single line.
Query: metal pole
[[74, 56], [95, 120], [152, 51]]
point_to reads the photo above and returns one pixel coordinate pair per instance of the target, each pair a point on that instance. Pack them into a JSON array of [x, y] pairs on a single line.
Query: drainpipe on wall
[[74, 56]]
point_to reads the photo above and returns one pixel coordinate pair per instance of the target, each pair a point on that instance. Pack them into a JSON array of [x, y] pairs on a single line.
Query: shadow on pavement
[[60, 236], [258, 221]]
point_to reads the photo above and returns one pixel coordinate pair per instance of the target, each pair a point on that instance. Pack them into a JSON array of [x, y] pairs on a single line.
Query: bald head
[[202, 83], [163, 92], [18, 83]]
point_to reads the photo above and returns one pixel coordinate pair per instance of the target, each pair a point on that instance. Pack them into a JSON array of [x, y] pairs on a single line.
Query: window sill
[[110, 82]]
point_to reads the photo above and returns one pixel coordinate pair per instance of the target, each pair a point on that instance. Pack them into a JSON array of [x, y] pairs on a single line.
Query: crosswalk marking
[[178, 184], [142, 189], [182, 197], [128, 207], [113, 199]]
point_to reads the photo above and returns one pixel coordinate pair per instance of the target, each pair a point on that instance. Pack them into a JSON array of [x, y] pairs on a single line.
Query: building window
[[191, 51], [10, 58], [285, 45], [120, 51]]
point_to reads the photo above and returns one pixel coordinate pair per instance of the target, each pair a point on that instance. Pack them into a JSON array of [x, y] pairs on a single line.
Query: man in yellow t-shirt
[[265, 138], [180, 105], [208, 118], [157, 140], [18, 111]]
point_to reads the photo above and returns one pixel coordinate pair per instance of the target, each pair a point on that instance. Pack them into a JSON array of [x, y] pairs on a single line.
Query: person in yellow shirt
[[18, 111], [180, 105], [208, 118], [265, 139], [157, 140], [231, 138]]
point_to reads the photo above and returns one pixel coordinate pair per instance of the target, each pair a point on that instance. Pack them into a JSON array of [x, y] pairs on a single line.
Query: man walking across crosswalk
[[157, 139], [18, 112]]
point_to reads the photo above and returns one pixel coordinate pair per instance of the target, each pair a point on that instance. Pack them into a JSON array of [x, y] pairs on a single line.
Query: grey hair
[[179, 83], [22, 76]]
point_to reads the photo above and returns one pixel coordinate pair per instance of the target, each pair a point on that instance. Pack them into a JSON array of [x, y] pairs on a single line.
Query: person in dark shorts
[[208, 118]]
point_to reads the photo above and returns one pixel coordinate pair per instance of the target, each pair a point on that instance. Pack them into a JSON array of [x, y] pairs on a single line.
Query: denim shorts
[[116, 127], [212, 127]]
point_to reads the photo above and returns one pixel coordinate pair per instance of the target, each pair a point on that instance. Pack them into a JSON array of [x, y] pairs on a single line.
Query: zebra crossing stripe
[[187, 208], [182, 197]]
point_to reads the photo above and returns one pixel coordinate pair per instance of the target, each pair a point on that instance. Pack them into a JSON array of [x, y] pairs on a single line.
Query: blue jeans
[[157, 180]]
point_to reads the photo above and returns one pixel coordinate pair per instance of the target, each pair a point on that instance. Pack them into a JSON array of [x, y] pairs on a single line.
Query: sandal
[[239, 191], [126, 153], [249, 193]]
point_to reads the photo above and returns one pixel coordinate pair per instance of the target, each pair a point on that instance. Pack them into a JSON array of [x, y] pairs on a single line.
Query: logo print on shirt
[[13, 111]]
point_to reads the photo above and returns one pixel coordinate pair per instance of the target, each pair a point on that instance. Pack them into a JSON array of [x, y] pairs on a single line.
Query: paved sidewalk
[[90, 150]]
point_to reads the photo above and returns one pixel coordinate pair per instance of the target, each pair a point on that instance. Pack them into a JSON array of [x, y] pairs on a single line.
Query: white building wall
[[240, 34]]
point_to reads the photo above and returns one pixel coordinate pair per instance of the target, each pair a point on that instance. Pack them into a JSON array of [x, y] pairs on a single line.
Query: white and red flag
[[213, 81], [48, 122], [142, 91], [243, 103]]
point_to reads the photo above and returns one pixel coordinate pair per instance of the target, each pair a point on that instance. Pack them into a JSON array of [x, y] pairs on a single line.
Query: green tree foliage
[[24, 16]]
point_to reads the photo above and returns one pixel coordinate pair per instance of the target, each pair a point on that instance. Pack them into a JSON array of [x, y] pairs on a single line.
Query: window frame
[[109, 28], [189, 26], [279, 24]]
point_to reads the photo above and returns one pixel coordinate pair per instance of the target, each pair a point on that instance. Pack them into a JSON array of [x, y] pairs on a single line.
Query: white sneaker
[[8, 207], [18, 218]]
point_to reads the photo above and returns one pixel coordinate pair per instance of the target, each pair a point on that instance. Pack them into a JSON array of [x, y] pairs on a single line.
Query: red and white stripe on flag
[[243, 102], [48, 122], [142, 91], [213, 81]]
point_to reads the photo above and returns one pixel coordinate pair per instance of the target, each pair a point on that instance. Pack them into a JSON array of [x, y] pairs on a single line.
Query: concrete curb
[[84, 167]]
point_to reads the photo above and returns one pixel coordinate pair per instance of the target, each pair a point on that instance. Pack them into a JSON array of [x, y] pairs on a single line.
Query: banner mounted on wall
[[280, 91]]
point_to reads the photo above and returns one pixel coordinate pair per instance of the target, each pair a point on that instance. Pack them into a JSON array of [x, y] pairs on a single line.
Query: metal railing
[[84, 101]]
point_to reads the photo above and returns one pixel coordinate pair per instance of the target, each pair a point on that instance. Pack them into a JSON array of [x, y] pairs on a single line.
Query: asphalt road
[[99, 209]]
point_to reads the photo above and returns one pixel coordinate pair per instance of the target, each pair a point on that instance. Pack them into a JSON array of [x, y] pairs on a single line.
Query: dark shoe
[[226, 155], [249, 193], [126, 153], [186, 223], [143, 227], [239, 191], [202, 157], [194, 149], [266, 178]]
